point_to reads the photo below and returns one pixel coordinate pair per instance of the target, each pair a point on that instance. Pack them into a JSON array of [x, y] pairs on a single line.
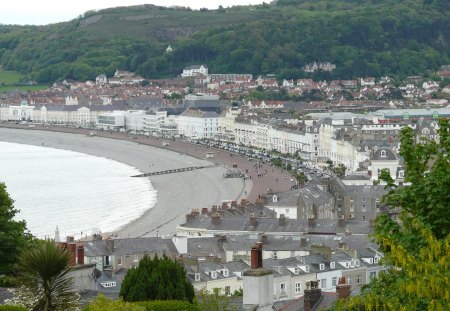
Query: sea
[[78, 193]]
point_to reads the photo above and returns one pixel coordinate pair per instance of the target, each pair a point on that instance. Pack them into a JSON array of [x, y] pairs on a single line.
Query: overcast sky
[[42, 12]]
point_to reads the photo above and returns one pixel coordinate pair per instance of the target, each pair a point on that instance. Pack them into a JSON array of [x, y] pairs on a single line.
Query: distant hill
[[362, 37]]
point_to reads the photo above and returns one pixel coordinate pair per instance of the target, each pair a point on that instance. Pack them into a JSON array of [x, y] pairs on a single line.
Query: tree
[[339, 170], [45, 271], [13, 234], [157, 278], [418, 248]]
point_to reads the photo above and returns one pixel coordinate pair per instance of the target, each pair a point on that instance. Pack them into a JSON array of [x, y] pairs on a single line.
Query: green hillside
[[362, 37]]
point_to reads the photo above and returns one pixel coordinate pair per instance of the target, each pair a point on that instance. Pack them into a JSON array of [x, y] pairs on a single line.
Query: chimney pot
[[215, 219]]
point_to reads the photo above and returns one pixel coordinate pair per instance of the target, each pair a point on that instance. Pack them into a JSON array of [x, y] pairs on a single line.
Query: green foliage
[[214, 301], [157, 279], [8, 281], [8, 77], [339, 170], [367, 37], [419, 247], [102, 303], [168, 305], [12, 308], [13, 234], [45, 271]]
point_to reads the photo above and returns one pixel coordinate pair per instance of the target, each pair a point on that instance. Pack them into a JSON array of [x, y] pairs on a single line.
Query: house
[[194, 70], [369, 81], [383, 158], [101, 79]]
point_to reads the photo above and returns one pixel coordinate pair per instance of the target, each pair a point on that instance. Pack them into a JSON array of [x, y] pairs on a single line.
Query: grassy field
[[9, 80], [10, 77]]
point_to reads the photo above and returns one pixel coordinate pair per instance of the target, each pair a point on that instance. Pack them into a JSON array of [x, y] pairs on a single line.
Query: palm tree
[[45, 269]]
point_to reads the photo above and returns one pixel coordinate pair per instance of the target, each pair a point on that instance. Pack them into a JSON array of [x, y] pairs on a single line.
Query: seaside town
[[311, 167]]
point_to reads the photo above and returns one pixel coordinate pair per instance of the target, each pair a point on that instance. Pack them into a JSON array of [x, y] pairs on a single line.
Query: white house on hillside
[[194, 70]]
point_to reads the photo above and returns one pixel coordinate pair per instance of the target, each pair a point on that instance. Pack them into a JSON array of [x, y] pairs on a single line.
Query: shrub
[[168, 305], [12, 308]]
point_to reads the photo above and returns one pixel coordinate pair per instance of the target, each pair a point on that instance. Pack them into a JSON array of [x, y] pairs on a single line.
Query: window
[[363, 208], [306, 268], [298, 287], [323, 283], [197, 277], [119, 260], [282, 288], [363, 199], [364, 218], [127, 256], [274, 255], [136, 258], [321, 266], [332, 265], [349, 280], [227, 291], [334, 281], [375, 260], [292, 253], [372, 274], [358, 279], [383, 153]]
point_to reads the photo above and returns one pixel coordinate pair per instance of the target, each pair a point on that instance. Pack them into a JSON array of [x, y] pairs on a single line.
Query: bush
[[168, 305], [12, 308], [7, 281]]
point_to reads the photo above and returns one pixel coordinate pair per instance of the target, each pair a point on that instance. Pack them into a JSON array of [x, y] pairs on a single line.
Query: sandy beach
[[177, 193]]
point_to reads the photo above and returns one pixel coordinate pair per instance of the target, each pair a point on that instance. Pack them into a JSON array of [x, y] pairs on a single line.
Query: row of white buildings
[[315, 141]]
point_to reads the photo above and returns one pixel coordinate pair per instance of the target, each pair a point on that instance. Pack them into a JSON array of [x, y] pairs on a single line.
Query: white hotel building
[[198, 124]]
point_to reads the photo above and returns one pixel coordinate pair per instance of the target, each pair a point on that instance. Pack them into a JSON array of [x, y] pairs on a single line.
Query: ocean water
[[77, 192]]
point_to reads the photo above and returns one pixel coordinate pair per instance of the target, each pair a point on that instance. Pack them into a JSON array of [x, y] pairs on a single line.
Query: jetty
[[172, 171]]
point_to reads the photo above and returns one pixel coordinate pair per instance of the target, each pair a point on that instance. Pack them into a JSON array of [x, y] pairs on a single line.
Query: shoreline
[[174, 191], [276, 179]]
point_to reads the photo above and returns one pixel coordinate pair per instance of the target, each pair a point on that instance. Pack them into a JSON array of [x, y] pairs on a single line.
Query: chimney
[[234, 204], [69, 239], [312, 295], [214, 209], [341, 221], [259, 204], [110, 244], [258, 284], [205, 211], [326, 184], [342, 289], [264, 239], [222, 239], [189, 217], [243, 202], [303, 242], [80, 253], [72, 250], [311, 221], [253, 220], [282, 220], [215, 219], [256, 256], [224, 205], [342, 245], [348, 231]]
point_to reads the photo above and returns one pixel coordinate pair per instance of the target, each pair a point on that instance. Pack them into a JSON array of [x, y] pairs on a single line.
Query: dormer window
[[315, 130], [321, 266], [275, 199], [357, 263], [307, 268], [214, 274], [225, 272], [376, 259], [371, 261], [383, 153], [197, 277], [332, 265], [296, 271]]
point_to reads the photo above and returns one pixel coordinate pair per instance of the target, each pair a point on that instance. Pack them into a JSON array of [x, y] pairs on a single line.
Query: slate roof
[[144, 245], [390, 156]]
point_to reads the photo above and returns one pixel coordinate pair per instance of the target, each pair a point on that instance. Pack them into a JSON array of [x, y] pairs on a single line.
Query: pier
[[172, 171]]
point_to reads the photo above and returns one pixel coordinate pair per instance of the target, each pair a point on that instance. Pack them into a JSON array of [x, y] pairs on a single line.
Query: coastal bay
[[177, 193]]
